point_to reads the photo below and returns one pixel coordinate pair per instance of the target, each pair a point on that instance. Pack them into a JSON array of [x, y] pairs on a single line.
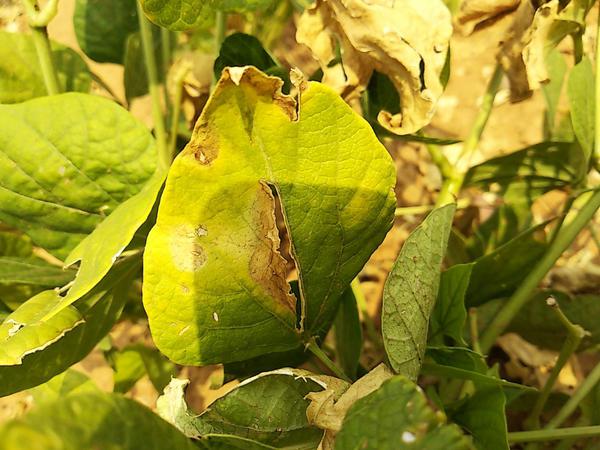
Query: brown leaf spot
[[267, 266], [188, 255]]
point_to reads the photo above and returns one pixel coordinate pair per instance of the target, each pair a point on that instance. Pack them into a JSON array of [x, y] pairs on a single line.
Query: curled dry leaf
[[526, 42], [329, 406], [475, 12], [405, 39]]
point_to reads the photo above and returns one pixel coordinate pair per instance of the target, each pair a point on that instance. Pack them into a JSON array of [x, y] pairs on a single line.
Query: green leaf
[[240, 49], [384, 421], [449, 314], [557, 71], [92, 420], [482, 415], [100, 249], [135, 361], [20, 73], [533, 170], [410, 292], [580, 88], [348, 334], [215, 286], [34, 271], [181, 15], [15, 244], [464, 364], [70, 382], [95, 156], [538, 324], [498, 274], [102, 27], [269, 408], [33, 350]]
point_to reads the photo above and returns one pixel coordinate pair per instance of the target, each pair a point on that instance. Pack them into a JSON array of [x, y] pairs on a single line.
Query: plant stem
[[577, 46], [165, 47], [472, 141], [154, 88], [574, 337], [553, 435], [220, 29], [320, 354], [565, 238], [568, 408], [176, 112], [597, 88], [44, 53], [474, 330], [38, 21]]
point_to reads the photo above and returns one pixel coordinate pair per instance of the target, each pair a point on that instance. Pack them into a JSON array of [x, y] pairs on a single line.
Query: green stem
[[440, 160], [553, 435], [154, 88], [176, 113], [320, 354], [450, 189], [577, 46], [165, 47], [597, 121], [44, 53], [565, 238], [474, 330], [472, 141], [424, 209], [568, 408], [574, 337], [561, 220], [220, 29]]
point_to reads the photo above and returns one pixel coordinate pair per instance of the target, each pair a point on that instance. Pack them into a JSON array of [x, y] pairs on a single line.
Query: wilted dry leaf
[[328, 407], [474, 12], [405, 39], [533, 34]]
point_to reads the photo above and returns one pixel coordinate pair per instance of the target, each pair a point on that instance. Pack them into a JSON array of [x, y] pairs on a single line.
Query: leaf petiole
[[322, 356]]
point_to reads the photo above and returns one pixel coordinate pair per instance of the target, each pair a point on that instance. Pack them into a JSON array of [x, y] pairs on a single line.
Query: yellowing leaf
[[406, 39], [215, 283]]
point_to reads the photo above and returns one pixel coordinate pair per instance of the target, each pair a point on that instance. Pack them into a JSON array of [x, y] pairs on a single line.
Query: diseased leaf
[[70, 382], [580, 87], [215, 285], [33, 350], [102, 27], [348, 334], [406, 40], [497, 274], [269, 408], [538, 324], [95, 154], [449, 315], [34, 271], [92, 420], [410, 292], [20, 73], [384, 421]]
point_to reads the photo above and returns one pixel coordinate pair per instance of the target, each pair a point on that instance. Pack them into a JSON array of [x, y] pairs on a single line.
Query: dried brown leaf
[[475, 12], [405, 39]]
